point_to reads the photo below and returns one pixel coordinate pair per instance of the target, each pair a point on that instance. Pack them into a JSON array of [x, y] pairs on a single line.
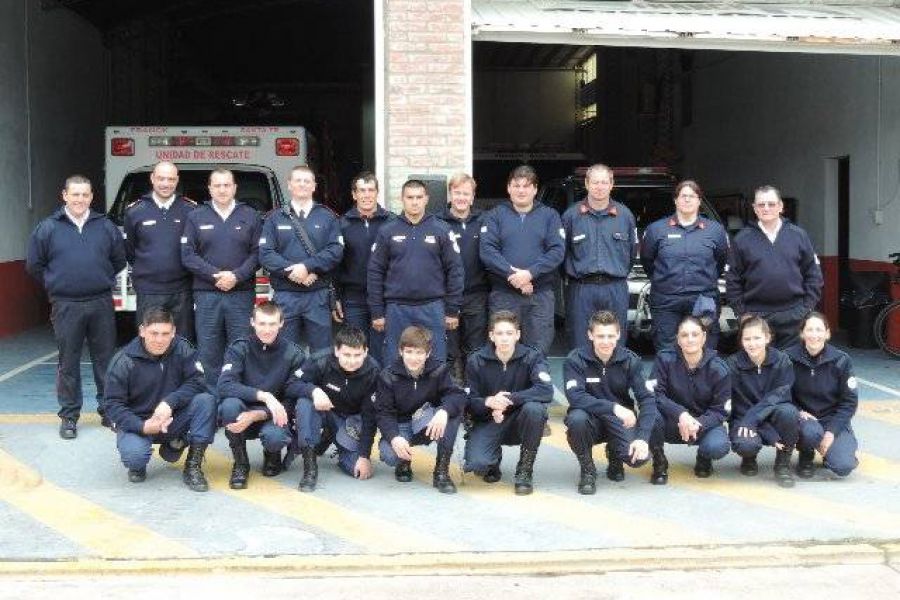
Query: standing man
[[522, 245], [219, 247], [509, 392], [601, 236], [773, 270], [415, 275], [360, 226], [254, 401], [300, 246], [465, 223], [156, 395], [75, 253], [153, 228]]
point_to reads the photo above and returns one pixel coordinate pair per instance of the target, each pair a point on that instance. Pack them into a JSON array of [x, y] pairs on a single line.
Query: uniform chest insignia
[[593, 380], [284, 227], [331, 386], [207, 226], [429, 239], [146, 223]]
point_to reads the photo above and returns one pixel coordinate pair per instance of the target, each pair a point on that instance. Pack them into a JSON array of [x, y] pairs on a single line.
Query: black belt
[[597, 278]]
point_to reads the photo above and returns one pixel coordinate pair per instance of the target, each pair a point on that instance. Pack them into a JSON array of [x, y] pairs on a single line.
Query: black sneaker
[[137, 475], [68, 429]]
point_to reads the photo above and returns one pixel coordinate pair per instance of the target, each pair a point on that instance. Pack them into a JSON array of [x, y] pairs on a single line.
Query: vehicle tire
[[888, 318]]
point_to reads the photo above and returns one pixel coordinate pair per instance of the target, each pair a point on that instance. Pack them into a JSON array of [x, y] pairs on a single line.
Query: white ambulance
[[260, 158]]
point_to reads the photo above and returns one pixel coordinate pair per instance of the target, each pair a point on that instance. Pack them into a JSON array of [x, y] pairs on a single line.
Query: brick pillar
[[427, 90]]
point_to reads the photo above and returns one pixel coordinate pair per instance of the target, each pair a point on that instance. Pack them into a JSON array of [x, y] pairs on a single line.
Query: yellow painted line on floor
[[876, 467], [561, 562], [105, 533], [588, 513], [366, 530], [886, 412]]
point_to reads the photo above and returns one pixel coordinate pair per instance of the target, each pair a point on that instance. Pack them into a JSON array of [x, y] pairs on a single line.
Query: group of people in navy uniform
[[442, 320]]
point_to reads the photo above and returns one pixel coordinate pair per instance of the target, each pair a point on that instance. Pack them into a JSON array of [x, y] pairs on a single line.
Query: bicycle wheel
[[887, 329]]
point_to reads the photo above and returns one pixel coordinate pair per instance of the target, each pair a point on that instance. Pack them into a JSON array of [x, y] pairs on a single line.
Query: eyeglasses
[[766, 204], [689, 196]]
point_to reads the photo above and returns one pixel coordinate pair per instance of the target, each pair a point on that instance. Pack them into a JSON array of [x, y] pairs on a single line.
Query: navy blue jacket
[[824, 386], [279, 247], [526, 376], [250, 366], [415, 264], [684, 261], [599, 242], [210, 245], [73, 265], [468, 234], [359, 235], [399, 395], [702, 392], [153, 245], [756, 391], [765, 277], [137, 382], [350, 393], [533, 241], [596, 388]]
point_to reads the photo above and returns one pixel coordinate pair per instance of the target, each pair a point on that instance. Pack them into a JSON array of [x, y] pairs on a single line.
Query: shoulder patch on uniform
[[852, 383], [651, 385], [340, 239], [189, 201], [484, 229], [226, 367], [570, 384], [199, 366], [562, 233], [135, 203], [467, 390], [262, 241], [544, 376], [184, 241], [298, 373]]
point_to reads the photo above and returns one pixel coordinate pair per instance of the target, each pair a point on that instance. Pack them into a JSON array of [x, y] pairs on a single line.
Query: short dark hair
[[765, 189], [269, 308], [76, 180], [365, 177], [503, 316], [523, 172], [220, 171], [416, 336], [157, 315], [350, 336], [414, 183], [604, 317]]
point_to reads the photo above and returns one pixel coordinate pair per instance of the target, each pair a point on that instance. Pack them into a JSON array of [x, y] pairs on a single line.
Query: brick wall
[[427, 90]]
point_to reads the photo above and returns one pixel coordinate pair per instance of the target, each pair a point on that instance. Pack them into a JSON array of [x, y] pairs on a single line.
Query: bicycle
[[887, 323]]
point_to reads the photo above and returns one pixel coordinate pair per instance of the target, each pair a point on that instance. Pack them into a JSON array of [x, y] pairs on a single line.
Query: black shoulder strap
[[300, 232]]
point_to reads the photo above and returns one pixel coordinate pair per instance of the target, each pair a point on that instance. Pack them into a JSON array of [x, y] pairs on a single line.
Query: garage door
[[870, 29]]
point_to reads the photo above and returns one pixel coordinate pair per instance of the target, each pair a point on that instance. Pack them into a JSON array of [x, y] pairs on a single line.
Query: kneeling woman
[[693, 385], [761, 407], [825, 392]]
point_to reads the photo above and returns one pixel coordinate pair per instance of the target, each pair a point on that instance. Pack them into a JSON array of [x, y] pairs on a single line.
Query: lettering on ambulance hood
[[203, 154]]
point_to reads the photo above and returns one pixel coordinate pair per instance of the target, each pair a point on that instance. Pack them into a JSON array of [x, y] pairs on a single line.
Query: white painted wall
[[524, 108], [52, 65], [777, 118]]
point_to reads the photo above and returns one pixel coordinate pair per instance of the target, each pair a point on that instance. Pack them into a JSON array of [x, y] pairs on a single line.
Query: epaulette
[[135, 203], [188, 200]]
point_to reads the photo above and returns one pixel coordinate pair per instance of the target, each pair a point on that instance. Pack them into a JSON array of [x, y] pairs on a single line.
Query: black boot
[[137, 475], [271, 463], [660, 474], [749, 467], [783, 475], [325, 442], [805, 467], [703, 467], [525, 472], [310, 470], [240, 471], [441, 479], [615, 470], [193, 476], [587, 482], [403, 471]]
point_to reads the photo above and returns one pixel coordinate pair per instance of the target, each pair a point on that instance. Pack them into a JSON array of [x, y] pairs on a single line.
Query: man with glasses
[[773, 270]]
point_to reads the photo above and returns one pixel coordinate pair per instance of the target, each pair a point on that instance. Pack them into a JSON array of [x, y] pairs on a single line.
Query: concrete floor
[[71, 501]]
